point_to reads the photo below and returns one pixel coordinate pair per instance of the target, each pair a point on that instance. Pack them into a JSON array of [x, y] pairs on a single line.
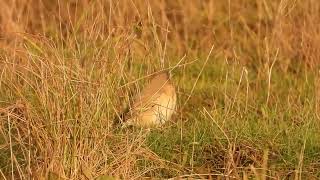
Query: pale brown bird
[[154, 105]]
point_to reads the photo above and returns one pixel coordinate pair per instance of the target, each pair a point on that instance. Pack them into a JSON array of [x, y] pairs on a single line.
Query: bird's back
[[152, 90], [155, 104]]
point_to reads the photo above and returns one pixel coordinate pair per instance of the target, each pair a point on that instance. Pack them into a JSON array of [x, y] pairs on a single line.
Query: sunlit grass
[[245, 73]]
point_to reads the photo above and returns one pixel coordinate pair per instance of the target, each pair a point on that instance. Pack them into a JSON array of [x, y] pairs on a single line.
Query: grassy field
[[246, 74]]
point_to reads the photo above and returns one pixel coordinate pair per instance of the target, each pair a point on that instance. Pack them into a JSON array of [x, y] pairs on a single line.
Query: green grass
[[287, 126], [226, 119]]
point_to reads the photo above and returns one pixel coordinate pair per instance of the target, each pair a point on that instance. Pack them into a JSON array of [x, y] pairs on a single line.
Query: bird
[[154, 105]]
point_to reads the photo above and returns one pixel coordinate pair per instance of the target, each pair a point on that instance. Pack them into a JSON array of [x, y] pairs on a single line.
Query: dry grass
[[246, 73]]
